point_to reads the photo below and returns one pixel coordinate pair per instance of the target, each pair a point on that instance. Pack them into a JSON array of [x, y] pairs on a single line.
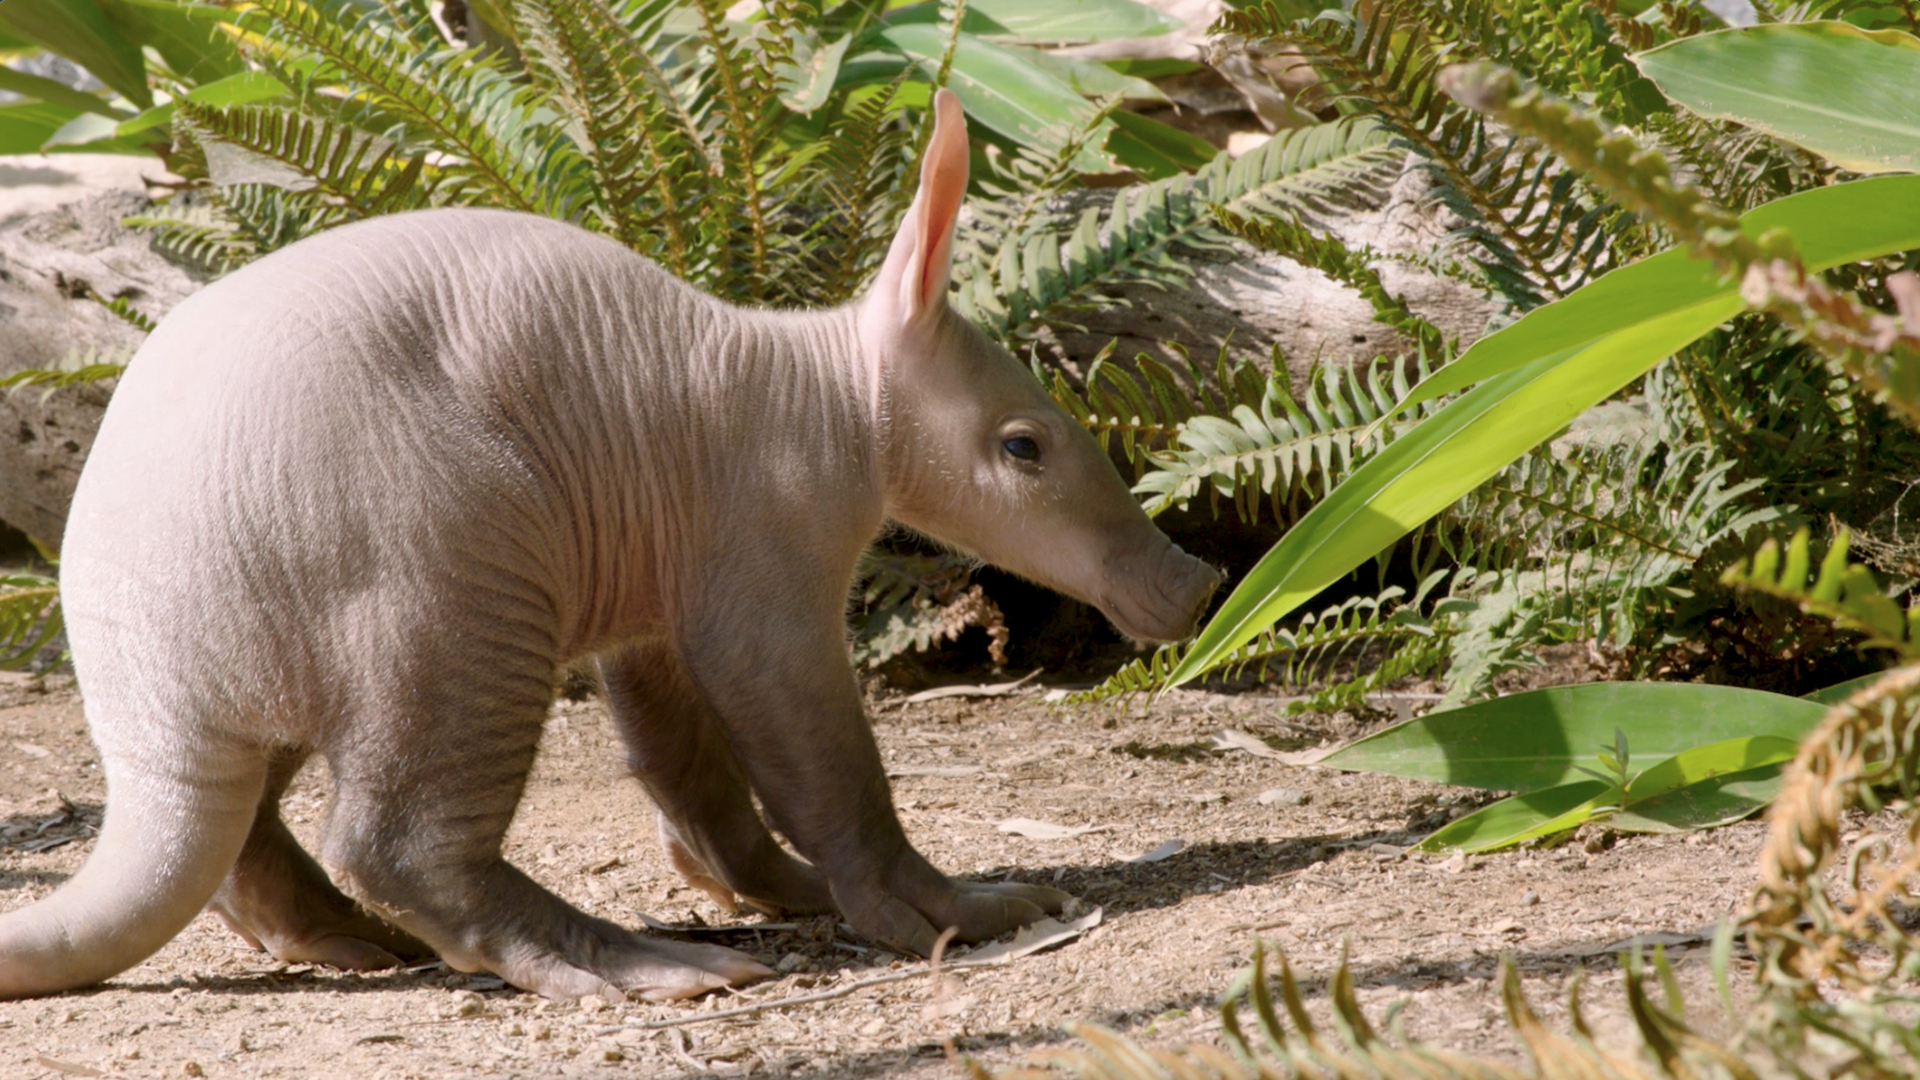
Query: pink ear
[[943, 186], [913, 281]]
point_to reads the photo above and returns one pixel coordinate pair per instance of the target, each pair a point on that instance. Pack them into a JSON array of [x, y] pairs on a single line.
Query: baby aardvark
[[365, 496]]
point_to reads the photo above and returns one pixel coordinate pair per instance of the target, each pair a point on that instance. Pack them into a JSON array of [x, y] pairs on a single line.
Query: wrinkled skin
[[365, 497]]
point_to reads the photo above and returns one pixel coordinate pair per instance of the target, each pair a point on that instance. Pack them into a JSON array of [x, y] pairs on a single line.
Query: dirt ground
[[1316, 867]]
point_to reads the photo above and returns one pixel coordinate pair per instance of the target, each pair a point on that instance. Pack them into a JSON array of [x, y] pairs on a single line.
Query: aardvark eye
[[1022, 448]]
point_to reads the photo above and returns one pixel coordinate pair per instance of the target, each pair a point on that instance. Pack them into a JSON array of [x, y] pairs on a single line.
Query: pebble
[[1529, 899], [1282, 796]]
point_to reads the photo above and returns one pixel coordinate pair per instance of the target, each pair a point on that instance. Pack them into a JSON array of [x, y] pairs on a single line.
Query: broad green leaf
[[91, 134], [1522, 816], [1541, 738], [242, 89], [1838, 224], [1716, 800], [1153, 69], [1850, 95], [1690, 767], [1428, 467], [1002, 90], [1839, 692], [1094, 80], [26, 126], [1055, 21], [807, 81], [80, 31], [1545, 370], [192, 43], [53, 92], [1156, 150]]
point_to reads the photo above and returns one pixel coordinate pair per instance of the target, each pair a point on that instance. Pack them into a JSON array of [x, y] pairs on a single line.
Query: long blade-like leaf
[[1524, 816], [1547, 369], [1543, 738], [1850, 95], [1838, 224], [80, 31]]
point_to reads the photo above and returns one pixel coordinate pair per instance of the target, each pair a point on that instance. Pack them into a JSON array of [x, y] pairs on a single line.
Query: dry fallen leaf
[[1045, 830], [1165, 851], [1234, 739], [982, 690], [1031, 939]]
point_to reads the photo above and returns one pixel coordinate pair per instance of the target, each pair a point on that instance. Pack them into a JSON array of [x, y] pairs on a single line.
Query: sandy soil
[[1317, 869]]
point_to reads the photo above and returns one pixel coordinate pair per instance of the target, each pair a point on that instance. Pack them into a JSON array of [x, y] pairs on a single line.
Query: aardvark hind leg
[[279, 900], [417, 830]]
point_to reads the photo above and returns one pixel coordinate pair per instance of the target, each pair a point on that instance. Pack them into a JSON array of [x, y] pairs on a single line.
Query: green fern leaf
[[1046, 272], [30, 617], [499, 147], [1842, 592], [360, 175], [1291, 453], [1315, 649], [649, 176]]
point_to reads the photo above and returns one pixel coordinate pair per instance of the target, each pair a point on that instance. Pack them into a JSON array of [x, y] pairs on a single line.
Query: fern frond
[[912, 602], [1310, 651], [1842, 592], [1285, 453], [648, 175], [861, 167], [1332, 257], [1045, 273], [30, 617], [747, 98], [360, 175], [77, 368], [1608, 529], [500, 150], [123, 309], [1144, 407], [196, 233], [1028, 189], [1541, 232]]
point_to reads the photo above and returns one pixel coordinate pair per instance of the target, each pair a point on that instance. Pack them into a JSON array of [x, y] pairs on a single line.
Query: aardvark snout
[[1161, 597]]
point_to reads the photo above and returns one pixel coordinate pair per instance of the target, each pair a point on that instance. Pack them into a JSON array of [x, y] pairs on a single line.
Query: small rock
[[1281, 796], [192, 1068], [1456, 863], [542, 1032], [612, 1053], [469, 1004], [593, 1003], [790, 963], [1529, 898]]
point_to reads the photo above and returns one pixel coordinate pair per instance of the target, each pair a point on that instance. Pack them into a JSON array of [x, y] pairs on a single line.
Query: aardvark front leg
[[787, 700]]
